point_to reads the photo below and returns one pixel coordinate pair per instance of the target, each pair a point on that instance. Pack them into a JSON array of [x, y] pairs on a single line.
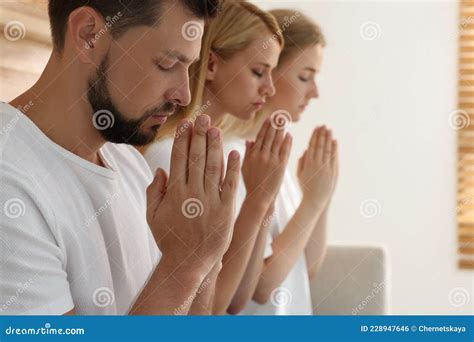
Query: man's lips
[[159, 119]]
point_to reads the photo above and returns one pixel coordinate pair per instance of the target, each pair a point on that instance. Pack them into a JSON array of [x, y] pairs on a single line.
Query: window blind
[[463, 122]]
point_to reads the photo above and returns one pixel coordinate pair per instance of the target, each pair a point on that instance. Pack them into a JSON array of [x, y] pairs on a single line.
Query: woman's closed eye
[[304, 79], [257, 73]]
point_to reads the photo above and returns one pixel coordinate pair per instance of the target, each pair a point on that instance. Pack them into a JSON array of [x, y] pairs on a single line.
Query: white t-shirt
[[293, 297], [72, 234]]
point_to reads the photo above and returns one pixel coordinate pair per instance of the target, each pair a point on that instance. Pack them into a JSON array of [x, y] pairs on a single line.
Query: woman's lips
[[259, 105]]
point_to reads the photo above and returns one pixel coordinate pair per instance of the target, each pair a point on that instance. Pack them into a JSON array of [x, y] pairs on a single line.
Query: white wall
[[389, 100]]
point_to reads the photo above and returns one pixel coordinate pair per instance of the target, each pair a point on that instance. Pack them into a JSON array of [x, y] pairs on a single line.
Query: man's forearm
[[170, 290]]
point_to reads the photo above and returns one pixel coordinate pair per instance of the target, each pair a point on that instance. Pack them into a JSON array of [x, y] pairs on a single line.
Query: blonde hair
[[238, 24], [299, 32]]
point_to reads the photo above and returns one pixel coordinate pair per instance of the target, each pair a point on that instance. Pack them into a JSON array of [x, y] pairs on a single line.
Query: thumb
[[248, 147], [156, 191], [301, 163]]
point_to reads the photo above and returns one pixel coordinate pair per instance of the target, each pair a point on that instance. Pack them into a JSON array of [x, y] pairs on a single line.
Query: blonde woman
[[298, 228], [233, 79]]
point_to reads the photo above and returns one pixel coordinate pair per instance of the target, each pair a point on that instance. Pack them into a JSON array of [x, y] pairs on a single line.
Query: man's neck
[[59, 107]]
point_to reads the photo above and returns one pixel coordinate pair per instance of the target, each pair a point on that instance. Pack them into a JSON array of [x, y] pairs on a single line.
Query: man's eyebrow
[[179, 56]]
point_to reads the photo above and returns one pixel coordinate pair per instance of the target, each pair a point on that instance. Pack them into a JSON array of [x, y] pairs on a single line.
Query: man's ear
[[87, 35], [212, 66]]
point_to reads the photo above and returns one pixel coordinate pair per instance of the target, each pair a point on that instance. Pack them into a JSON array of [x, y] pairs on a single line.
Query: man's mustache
[[168, 108]]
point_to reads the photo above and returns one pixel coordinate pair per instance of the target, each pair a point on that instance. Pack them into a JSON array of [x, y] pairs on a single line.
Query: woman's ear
[[211, 66]]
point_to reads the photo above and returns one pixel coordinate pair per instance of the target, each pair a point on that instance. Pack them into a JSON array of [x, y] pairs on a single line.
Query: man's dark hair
[[131, 13]]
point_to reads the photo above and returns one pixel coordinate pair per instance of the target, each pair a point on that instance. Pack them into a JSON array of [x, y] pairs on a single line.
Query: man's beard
[[110, 122]]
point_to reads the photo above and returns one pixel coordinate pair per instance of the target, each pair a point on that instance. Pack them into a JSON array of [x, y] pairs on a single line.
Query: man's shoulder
[[20, 146]]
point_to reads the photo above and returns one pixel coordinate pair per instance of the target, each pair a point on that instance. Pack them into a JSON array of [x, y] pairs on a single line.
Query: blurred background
[[395, 88]]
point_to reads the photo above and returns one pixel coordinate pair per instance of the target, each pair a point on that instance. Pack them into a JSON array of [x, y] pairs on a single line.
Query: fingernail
[[234, 155], [203, 119], [214, 133]]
